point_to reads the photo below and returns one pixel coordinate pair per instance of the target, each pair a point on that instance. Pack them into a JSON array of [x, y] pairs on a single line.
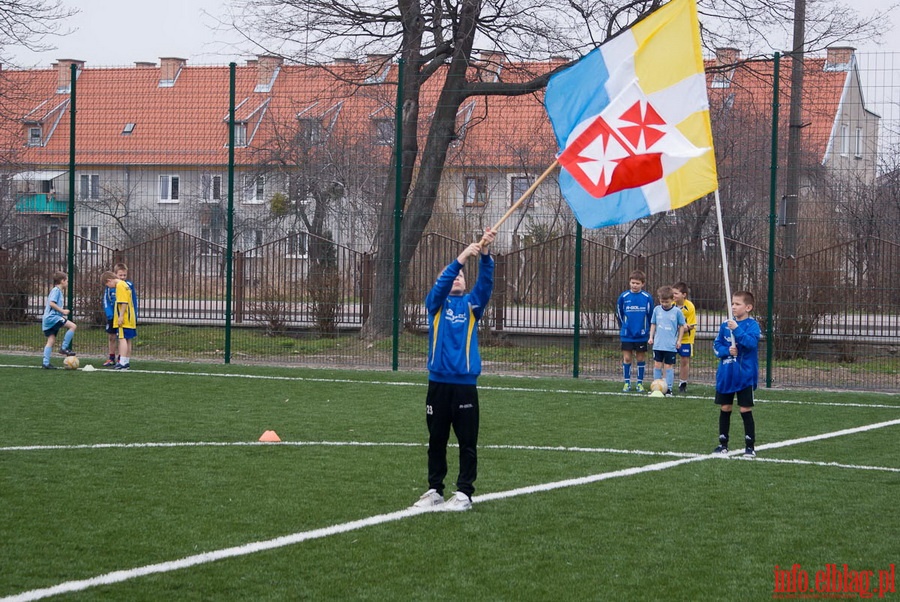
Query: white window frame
[[240, 134], [209, 184], [254, 189], [252, 240], [298, 244], [35, 140], [473, 194], [514, 193], [169, 188], [845, 139], [89, 240], [89, 187], [858, 143], [211, 238]]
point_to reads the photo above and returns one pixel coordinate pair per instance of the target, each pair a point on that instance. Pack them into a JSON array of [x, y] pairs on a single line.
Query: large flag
[[632, 120]]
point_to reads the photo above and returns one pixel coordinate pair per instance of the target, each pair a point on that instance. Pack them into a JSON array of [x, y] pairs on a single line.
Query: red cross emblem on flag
[[616, 152]]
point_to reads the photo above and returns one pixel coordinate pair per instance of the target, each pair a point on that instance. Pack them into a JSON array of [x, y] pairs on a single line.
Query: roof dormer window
[[128, 129], [35, 136]]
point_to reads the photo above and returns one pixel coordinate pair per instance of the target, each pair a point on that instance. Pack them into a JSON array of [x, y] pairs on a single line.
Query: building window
[[240, 134], [297, 245], [253, 240], [53, 237], [845, 139], [517, 187], [212, 240], [35, 136], [310, 132], [211, 187], [254, 189], [169, 189], [90, 187], [384, 131], [475, 191], [89, 238], [128, 129], [858, 144]]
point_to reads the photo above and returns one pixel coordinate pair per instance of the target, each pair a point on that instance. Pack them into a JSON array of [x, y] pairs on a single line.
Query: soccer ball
[[659, 385], [71, 363]]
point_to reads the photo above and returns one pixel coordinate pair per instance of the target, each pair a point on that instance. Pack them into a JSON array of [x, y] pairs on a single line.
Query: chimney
[[169, 68], [267, 68], [489, 64], [144, 64], [839, 58], [727, 56], [252, 62], [64, 74]]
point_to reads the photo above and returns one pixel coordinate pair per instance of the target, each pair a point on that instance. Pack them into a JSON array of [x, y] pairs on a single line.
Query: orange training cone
[[270, 437]]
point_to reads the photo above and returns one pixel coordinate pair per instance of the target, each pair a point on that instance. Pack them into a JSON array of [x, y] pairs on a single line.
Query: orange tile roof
[[185, 124]]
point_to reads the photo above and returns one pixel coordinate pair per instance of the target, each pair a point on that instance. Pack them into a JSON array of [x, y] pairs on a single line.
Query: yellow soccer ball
[[71, 363]]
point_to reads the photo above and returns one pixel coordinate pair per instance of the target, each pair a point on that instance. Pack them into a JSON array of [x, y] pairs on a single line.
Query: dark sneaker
[[48, 366], [669, 393], [682, 388], [749, 452], [721, 449], [109, 364], [66, 352], [121, 366]]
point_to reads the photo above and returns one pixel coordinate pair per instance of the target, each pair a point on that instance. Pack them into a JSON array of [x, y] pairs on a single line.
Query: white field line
[[480, 387], [552, 448], [278, 542]]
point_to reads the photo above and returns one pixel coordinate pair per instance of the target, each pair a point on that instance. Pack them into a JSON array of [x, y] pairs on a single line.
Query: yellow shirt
[[690, 316], [123, 295]]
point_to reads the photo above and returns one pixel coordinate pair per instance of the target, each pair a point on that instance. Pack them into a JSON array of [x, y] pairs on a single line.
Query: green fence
[[312, 178]]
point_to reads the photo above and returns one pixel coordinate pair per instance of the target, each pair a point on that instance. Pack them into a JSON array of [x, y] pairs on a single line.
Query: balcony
[[41, 203]]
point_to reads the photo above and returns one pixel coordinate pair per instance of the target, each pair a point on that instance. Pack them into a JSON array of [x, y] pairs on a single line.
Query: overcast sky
[[120, 32]]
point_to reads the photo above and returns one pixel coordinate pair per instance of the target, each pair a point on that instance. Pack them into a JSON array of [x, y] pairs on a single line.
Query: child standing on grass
[[634, 308], [109, 307], [124, 319], [54, 318], [736, 346], [686, 349], [454, 364], [666, 329]]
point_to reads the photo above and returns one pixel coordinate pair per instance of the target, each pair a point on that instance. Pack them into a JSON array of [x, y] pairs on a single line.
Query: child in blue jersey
[[56, 317], [666, 330], [109, 308], [736, 346], [454, 365], [634, 309]]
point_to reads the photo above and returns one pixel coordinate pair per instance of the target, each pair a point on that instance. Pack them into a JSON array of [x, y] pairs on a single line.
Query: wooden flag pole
[[522, 198], [724, 261]]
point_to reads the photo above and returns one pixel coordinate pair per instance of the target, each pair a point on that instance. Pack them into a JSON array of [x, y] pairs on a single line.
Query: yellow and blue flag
[[632, 121]]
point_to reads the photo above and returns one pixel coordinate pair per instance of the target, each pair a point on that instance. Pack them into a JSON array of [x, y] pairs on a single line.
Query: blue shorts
[[686, 350], [126, 333], [51, 332], [665, 357]]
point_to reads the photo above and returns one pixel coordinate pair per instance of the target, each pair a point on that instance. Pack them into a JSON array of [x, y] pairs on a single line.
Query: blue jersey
[[737, 373], [109, 300], [633, 312], [453, 355], [51, 316], [667, 321]]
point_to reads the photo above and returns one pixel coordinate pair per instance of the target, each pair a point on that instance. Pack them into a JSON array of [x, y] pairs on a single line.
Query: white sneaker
[[429, 499], [459, 502]]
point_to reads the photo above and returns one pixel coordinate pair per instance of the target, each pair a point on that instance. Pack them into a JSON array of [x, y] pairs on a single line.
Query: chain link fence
[[250, 227]]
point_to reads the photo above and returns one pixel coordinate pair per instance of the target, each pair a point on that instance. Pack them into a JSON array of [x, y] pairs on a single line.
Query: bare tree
[[28, 23], [437, 40]]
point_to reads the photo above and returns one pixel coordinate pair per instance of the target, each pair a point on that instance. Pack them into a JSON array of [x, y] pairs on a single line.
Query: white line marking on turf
[[555, 448], [278, 542], [480, 387]]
